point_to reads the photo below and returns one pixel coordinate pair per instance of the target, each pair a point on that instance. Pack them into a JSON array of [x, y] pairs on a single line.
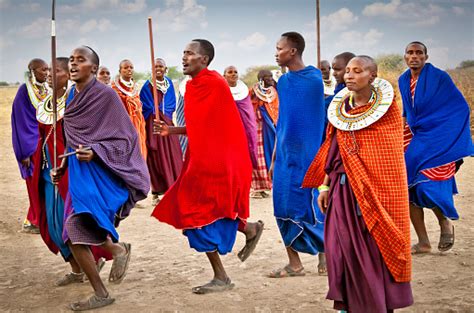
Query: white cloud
[[413, 13], [338, 21], [253, 41], [380, 8], [458, 10], [225, 45], [126, 6], [101, 25], [4, 4], [359, 42], [180, 15], [38, 28]]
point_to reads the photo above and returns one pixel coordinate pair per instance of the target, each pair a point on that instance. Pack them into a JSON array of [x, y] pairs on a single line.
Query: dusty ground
[[163, 269]]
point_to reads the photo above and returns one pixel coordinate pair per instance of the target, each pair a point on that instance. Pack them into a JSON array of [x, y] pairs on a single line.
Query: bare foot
[[420, 248]]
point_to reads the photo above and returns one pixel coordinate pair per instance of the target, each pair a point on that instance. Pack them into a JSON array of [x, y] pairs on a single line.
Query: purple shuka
[[96, 118], [247, 115], [25, 132]]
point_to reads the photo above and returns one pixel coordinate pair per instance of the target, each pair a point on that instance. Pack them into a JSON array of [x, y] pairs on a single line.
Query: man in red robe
[[211, 195]]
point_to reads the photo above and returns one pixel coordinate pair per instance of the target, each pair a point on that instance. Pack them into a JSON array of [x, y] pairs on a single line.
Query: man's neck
[[196, 74], [416, 72], [80, 86], [296, 65]]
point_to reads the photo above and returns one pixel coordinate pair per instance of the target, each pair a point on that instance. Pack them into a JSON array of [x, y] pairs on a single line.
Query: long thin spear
[[153, 71], [54, 98], [318, 33], [53, 75]]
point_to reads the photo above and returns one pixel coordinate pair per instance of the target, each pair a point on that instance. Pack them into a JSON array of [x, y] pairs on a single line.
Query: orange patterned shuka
[[131, 100], [374, 163]]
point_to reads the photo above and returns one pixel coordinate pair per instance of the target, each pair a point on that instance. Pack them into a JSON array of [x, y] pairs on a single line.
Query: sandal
[[215, 285], [446, 241], [93, 302], [121, 262], [251, 243], [256, 195], [70, 278], [287, 271]]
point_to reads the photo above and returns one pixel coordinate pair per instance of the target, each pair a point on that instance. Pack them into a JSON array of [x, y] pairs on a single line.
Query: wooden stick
[[318, 33], [65, 155], [55, 89], [153, 70]]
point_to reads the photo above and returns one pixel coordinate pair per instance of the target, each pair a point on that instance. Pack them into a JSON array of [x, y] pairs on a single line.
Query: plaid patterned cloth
[[260, 179], [378, 177]]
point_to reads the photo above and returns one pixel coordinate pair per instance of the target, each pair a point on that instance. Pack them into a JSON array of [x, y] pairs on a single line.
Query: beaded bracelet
[[323, 188]]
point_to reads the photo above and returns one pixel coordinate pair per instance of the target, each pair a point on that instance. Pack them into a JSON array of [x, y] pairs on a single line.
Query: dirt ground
[[164, 269]]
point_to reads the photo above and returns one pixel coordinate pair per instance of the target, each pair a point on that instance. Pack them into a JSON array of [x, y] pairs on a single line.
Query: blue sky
[[243, 32]]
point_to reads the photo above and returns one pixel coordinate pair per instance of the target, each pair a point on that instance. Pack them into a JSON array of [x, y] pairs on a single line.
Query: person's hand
[[160, 128], [26, 162], [84, 155], [323, 199], [270, 171], [56, 174]]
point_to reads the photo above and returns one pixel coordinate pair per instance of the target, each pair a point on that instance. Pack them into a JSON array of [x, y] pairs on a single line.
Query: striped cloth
[[260, 179], [374, 163], [183, 140], [443, 172]]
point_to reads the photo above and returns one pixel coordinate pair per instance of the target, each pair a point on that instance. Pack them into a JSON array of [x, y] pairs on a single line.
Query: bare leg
[[113, 248], [217, 266], [444, 222], [294, 259], [83, 256], [74, 266], [249, 231], [417, 217], [322, 266]]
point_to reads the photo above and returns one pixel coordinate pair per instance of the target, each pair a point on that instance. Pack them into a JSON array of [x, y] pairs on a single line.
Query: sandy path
[[163, 268]]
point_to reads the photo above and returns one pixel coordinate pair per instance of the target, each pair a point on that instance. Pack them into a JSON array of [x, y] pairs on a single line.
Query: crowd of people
[[346, 167]]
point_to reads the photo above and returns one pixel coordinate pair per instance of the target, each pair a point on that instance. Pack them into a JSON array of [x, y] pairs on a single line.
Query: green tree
[[390, 63], [141, 76], [174, 73], [3, 83], [250, 76], [466, 64]]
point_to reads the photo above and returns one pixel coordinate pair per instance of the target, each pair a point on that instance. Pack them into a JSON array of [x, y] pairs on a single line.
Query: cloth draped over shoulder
[[96, 118], [377, 176], [249, 121], [169, 101], [25, 133], [131, 100], [299, 136], [216, 175], [438, 119]]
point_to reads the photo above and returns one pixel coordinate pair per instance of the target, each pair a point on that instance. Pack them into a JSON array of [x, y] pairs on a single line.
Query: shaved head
[[35, 63], [369, 62], [262, 73]]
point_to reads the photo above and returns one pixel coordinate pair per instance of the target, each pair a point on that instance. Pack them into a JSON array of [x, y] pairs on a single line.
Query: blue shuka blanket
[[299, 131], [439, 120], [169, 101]]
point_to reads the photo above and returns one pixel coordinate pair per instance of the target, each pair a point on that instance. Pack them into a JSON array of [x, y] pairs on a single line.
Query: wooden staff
[[54, 99], [318, 34], [153, 71]]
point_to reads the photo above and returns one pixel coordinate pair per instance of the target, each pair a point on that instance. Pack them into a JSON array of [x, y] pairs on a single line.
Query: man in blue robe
[[299, 134], [437, 137]]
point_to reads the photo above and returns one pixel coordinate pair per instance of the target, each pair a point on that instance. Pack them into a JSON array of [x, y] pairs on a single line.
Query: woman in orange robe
[[129, 93]]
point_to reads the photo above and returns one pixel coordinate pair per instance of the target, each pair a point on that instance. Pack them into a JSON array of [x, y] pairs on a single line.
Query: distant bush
[[466, 64], [250, 76], [3, 84]]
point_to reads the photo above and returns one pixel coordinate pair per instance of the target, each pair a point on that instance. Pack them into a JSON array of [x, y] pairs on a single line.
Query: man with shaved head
[[437, 137], [360, 172], [25, 135]]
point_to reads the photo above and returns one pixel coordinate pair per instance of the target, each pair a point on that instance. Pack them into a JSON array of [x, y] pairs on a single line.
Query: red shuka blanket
[[216, 175]]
